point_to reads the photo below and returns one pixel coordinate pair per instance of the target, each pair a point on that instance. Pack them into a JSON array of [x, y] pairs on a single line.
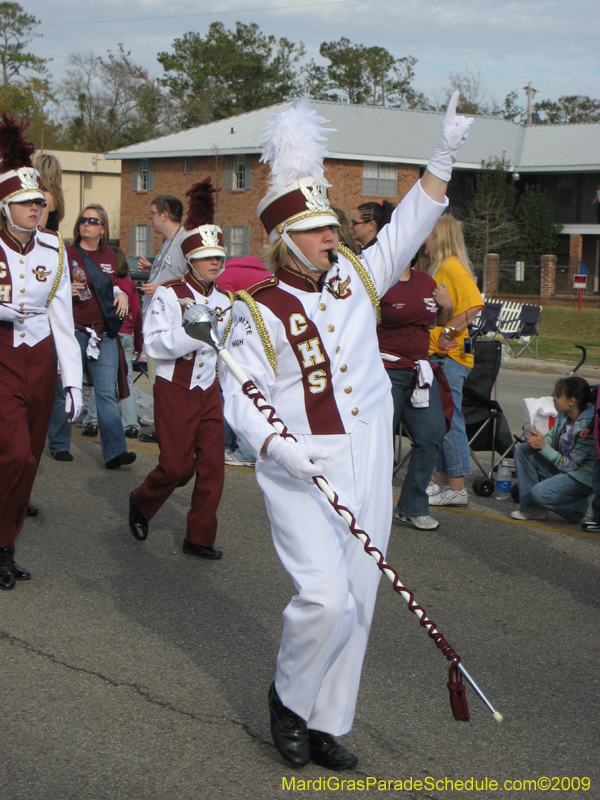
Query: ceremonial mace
[[200, 322]]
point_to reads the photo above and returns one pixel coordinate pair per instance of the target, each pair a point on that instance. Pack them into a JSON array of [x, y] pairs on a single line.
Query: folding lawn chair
[[528, 326], [487, 321], [141, 367], [487, 428]]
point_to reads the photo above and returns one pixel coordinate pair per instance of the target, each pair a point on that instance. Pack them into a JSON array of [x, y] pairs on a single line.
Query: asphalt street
[[129, 671]]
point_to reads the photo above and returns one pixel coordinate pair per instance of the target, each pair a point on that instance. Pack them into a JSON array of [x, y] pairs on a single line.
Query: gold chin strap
[[61, 261], [364, 276]]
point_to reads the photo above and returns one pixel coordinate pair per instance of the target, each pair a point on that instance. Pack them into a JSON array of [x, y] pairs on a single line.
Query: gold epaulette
[[364, 276], [247, 298], [61, 262]]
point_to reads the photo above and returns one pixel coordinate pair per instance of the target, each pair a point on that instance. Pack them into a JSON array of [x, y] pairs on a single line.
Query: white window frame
[[143, 240], [380, 179], [236, 247], [239, 172]]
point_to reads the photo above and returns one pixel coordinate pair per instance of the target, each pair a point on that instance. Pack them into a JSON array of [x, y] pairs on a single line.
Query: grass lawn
[[562, 328]]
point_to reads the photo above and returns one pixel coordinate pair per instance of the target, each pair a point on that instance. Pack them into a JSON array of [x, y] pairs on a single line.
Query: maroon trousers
[[189, 429], [26, 399]]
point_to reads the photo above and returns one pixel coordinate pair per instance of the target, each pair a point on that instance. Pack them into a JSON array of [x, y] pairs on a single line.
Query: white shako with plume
[[293, 146], [19, 180], [203, 239]]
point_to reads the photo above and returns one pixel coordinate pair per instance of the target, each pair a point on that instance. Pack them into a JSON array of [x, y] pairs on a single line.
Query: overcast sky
[[553, 43]]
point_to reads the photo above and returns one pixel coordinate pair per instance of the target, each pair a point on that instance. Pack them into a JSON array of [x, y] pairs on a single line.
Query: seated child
[[555, 471]]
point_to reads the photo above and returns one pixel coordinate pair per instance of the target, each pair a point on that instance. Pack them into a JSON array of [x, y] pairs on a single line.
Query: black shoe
[[288, 731], [90, 430], [7, 576], [148, 437], [120, 460], [326, 752], [32, 511], [131, 432], [20, 573], [62, 455], [138, 524], [191, 549]]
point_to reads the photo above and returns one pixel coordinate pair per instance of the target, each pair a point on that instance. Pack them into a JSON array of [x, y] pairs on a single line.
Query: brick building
[[375, 153]]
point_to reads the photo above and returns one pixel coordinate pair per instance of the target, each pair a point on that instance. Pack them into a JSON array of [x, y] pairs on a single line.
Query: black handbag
[[103, 289]]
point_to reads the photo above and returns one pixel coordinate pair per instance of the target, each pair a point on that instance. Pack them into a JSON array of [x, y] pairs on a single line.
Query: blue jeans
[[541, 484], [103, 374], [235, 443], [426, 427], [129, 416], [455, 459]]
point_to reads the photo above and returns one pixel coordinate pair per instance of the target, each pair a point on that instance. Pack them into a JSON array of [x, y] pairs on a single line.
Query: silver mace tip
[[200, 322]]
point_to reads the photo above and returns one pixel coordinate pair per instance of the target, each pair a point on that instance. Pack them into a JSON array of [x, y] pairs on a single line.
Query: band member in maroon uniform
[[35, 307], [187, 403]]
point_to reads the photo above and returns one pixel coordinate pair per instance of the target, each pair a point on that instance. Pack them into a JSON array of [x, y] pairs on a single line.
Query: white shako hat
[[19, 180], [202, 239], [297, 198]]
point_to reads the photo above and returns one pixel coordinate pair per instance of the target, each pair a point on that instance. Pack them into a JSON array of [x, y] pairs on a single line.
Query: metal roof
[[369, 133]]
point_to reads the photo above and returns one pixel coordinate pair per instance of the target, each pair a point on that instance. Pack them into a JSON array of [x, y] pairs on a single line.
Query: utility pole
[[530, 92]]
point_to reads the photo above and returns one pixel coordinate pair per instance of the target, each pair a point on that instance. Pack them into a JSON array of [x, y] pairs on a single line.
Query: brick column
[[548, 276], [490, 274], [575, 249]]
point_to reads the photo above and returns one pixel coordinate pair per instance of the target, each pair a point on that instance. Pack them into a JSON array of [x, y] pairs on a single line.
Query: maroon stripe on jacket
[[321, 407]]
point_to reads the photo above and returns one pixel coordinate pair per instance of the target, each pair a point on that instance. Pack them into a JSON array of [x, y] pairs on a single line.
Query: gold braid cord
[[364, 276], [61, 261], [228, 328], [260, 326]]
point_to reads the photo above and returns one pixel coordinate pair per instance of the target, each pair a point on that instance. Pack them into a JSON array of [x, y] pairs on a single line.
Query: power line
[[200, 14]]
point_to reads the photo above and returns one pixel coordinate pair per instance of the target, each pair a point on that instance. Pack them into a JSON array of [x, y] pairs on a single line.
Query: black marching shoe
[[20, 573], [326, 752], [120, 460], [138, 524], [62, 455], [148, 437], [7, 575], [32, 511], [191, 549], [288, 731]]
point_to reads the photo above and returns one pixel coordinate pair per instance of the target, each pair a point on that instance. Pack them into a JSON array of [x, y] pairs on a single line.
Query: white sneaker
[[433, 488], [422, 523], [448, 497], [234, 460], [530, 514]]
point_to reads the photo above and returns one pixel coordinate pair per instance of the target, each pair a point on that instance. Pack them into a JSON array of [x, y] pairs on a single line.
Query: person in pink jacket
[[242, 273]]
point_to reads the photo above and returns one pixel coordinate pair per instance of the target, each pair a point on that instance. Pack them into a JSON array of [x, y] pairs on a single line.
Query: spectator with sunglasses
[[35, 308], [99, 352]]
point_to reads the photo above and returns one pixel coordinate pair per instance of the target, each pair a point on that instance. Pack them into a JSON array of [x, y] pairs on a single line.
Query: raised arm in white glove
[[299, 460], [455, 130], [73, 402]]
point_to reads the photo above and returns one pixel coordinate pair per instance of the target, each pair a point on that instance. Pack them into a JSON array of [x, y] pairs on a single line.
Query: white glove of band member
[[455, 130], [10, 312], [299, 460], [73, 402]]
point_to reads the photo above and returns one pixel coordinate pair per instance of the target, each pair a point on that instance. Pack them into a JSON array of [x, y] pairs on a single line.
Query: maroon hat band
[[283, 208]]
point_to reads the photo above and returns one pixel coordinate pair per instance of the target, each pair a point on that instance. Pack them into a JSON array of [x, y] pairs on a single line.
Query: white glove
[[299, 460], [73, 402], [10, 312], [454, 132]]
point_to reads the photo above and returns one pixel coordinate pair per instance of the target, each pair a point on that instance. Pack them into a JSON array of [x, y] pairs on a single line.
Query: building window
[[237, 240], [188, 164], [142, 176], [380, 179], [141, 240], [238, 172]]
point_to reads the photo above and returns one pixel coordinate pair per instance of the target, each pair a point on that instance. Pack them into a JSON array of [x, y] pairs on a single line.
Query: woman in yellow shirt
[[451, 269]]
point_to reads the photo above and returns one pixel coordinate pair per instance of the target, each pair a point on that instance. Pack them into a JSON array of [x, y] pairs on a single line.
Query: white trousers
[[326, 625]]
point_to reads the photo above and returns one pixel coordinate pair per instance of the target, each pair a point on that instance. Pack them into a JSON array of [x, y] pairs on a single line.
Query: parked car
[[138, 277]]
